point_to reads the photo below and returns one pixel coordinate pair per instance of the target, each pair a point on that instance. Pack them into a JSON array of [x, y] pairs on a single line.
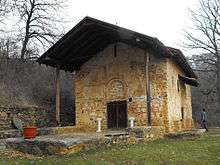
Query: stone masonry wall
[[170, 108], [28, 115], [178, 99], [110, 77], [158, 92]]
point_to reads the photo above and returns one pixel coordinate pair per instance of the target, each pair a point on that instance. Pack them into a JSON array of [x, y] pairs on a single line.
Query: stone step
[[116, 134], [140, 140]]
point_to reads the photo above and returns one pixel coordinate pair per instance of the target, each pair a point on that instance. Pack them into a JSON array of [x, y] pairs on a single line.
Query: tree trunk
[[218, 82], [24, 47], [27, 31]]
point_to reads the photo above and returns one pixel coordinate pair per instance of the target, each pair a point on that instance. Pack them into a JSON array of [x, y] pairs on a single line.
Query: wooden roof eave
[[74, 48]]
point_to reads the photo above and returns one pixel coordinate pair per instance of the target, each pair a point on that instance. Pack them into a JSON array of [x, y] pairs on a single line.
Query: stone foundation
[[192, 134], [146, 133], [60, 144]]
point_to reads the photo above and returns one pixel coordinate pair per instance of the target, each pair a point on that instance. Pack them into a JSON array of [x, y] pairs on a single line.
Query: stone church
[[122, 75]]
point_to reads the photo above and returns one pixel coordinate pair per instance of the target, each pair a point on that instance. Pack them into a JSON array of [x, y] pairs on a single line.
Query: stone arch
[[116, 89]]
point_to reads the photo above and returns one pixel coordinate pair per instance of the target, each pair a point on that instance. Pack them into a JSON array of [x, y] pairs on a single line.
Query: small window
[[178, 85], [182, 113]]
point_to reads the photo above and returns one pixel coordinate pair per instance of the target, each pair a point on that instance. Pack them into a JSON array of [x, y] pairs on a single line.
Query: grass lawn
[[204, 150]]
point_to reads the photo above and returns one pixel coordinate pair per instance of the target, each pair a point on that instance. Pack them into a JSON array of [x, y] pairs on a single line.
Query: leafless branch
[[39, 22], [205, 36]]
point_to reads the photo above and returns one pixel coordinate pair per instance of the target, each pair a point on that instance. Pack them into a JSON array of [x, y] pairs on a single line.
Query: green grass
[[201, 151]]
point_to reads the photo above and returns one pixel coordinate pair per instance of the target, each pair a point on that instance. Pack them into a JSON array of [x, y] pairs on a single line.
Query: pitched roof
[[90, 36]]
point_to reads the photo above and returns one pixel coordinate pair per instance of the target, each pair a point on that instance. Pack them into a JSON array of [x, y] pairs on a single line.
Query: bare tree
[[205, 37], [4, 9], [39, 23], [8, 47]]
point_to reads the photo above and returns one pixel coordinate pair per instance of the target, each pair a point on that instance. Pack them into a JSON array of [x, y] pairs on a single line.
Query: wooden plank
[[92, 41], [148, 92], [117, 114], [121, 114]]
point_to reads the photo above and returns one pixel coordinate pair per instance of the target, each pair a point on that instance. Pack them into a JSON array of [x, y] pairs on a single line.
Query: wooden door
[[117, 114]]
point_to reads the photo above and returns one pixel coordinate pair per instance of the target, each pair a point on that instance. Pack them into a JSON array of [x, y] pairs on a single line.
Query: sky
[[164, 19]]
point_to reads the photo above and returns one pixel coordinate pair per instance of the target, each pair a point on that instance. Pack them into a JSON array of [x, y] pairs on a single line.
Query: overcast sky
[[164, 19]]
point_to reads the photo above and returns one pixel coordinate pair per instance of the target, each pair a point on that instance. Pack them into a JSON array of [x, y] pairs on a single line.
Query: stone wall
[[110, 77], [28, 115], [179, 100], [158, 91], [170, 98], [121, 74]]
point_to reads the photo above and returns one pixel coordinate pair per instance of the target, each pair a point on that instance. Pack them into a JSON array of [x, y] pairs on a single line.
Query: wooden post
[[58, 95], [147, 60]]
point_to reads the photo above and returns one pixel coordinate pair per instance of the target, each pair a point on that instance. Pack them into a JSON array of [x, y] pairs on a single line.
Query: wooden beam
[[82, 45], [148, 92], [88, 52], [74, 44], [58, 95]]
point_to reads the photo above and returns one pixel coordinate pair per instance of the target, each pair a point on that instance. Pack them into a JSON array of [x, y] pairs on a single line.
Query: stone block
[[195, 133], [147, 133]]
